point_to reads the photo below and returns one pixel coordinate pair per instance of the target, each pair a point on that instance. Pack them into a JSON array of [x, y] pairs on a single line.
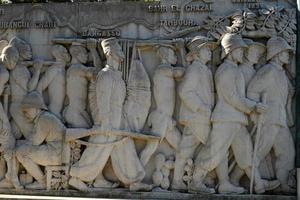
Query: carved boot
[[201, 188], [79, 184], [236, 176], [101, 182], [265, 185], [228, 188], [140, 187]]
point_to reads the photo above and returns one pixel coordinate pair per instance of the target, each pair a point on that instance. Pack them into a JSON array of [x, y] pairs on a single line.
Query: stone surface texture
[[149, 99]]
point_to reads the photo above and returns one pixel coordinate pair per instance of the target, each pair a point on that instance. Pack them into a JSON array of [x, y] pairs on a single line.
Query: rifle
[[77, 133]]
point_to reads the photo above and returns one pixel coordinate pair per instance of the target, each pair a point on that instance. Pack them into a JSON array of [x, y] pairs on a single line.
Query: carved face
[[10, 57], [171, 57], [82, 57], [237, 55], [117, 53], [26, 52], [254, 53], [205, 54], [284, 57], [60, 53], [30, 113]]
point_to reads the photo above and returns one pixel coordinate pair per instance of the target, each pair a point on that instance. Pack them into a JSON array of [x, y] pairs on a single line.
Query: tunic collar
[[231, 63], [277, 66]]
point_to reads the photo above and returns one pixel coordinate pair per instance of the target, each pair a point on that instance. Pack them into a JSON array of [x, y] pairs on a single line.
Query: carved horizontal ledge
[[125, 194]]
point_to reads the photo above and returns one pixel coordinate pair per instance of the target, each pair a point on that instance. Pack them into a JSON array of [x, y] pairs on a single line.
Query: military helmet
[[230, 42], [197, 42], [34, 100], [276, 45]]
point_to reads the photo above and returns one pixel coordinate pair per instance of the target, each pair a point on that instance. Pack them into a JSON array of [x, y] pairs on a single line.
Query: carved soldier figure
[[196, 92], [271, 81], [111, 92], [161, 120], [253, 53], [44, 147], [9, 58], [54, 80], [78, 76], [229, 125], [21, 82]]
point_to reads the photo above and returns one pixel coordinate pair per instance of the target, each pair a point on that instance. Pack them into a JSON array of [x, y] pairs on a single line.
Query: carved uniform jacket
[[111, 92], [197, 94], [248, 72], [272, 81], [232, 104]]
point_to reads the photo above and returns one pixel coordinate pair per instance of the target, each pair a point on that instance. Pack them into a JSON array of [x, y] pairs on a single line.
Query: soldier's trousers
[[223, 136], [280, 139]]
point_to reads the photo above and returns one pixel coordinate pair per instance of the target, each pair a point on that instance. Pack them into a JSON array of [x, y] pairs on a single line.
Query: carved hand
[[179, 43], [261, 108], [38, 64]]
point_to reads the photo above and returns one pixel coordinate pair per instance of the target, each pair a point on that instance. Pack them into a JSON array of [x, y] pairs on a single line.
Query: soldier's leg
[[284, 148], [236, 175], [225, 186], [213, 152], [148, 151], [173, 137], [32, 168], [242, 148], [186, 150]]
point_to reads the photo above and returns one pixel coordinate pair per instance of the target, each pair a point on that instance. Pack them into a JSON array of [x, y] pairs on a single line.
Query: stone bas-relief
[[198, 111]]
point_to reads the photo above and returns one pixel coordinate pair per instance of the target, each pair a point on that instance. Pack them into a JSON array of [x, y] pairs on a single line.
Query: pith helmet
[[230, 42], [34, 100], [276, 45], [197, 42]]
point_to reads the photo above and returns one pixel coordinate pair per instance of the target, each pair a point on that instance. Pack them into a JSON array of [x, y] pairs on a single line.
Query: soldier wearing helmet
[[44, 147], [271, 81], [229, 120], [196, 92]]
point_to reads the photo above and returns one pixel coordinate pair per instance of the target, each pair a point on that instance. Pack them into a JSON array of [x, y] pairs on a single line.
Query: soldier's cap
[[198, 42], [230, 42], [276, 45], [34, 100]]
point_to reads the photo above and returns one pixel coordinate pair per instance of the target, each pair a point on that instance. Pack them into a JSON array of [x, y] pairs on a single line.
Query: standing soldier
[[271, 80], [197, 100], [229, 124], [253, 54]]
